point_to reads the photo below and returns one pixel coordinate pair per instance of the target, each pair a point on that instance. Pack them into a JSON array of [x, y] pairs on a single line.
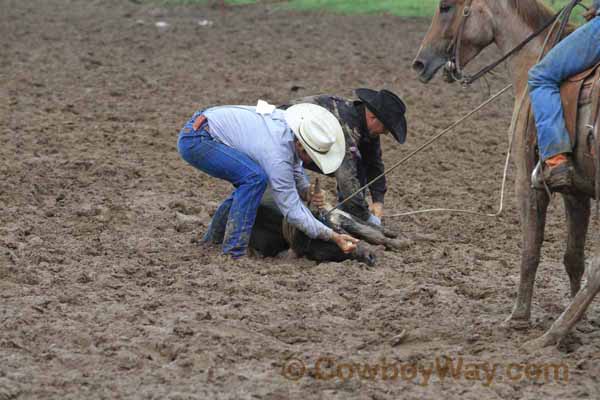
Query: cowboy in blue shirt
[[575, 53], [252, 147]]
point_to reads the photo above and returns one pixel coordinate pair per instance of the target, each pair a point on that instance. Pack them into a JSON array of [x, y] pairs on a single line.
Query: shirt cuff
[[303, 186], [326, 235]]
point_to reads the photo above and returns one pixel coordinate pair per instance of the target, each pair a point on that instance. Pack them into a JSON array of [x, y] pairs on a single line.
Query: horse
[[459, 31]]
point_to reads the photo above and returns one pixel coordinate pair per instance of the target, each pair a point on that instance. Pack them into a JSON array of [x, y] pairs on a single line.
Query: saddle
[[580, 89]]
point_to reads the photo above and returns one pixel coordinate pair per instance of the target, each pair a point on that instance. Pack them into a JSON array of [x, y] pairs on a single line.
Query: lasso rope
[[521, 102], [513, 128], [506, 165], [423, 146]]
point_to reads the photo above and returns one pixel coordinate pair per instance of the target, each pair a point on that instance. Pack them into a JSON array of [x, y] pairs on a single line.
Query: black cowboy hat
[[388, 108]]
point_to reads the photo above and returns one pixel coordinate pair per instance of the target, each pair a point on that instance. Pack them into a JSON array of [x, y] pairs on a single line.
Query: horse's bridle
[[453, 66], [454, 69]]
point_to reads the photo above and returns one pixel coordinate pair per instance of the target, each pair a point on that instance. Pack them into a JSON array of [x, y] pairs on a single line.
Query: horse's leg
[[532, 206], [578, 215], [574, 311]]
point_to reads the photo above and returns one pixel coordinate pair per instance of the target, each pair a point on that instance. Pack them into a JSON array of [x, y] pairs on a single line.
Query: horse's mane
[[534, 13]]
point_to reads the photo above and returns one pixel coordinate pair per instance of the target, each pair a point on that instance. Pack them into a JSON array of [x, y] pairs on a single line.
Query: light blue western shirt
[[268, 140]]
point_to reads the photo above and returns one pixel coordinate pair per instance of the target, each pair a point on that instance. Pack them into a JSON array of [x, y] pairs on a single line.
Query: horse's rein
[[454, 68]]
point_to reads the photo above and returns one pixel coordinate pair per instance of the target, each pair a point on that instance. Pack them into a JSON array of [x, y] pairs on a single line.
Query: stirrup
[[537, 178]]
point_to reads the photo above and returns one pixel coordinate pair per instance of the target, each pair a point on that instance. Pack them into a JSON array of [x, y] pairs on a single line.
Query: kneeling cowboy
[[363, 121], [252, 147], [575, 53]]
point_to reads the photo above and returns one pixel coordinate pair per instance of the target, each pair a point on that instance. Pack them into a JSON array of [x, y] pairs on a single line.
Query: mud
[[105, 292]]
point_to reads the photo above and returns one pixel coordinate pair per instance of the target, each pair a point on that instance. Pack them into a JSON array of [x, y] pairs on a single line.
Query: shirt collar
[[359, 109]]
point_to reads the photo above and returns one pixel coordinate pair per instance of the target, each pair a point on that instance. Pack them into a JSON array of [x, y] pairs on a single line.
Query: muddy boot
[[558, 178]]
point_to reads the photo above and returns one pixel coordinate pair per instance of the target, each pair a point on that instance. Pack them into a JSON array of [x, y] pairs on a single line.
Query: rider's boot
[[557, 174]]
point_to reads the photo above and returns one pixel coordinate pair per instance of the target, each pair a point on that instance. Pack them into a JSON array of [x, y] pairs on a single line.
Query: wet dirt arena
[[105, 292]]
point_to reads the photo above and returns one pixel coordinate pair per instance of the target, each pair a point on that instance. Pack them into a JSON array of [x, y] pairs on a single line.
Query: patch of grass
[[423, 8], [395, 7], [408, 8], [192, 2]]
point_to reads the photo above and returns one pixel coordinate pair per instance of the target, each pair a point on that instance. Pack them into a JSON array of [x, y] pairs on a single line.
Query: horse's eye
[[444, 8]]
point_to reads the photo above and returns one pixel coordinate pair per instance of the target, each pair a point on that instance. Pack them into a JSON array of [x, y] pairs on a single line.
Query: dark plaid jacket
[[363, 159]]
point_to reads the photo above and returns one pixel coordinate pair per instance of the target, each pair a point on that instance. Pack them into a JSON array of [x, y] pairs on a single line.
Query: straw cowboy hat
[[320, 133]]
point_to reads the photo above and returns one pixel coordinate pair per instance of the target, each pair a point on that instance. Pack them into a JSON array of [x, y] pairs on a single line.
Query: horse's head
[[460, 29]]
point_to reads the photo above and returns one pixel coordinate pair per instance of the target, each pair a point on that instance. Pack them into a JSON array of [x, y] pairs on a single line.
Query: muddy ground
[[104, 292]]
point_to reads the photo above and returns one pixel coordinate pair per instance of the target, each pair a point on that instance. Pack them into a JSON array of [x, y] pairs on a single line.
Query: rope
[[513, 127], [502, 187], [422, 147], [553, 22], [467, 80]]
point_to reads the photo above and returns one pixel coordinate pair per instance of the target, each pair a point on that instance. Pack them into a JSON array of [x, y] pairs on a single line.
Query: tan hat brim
[[327, 162]]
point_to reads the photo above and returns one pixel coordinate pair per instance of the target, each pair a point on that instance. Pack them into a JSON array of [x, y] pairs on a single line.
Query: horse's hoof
[[537, 344], [514, 323], [585, 326]]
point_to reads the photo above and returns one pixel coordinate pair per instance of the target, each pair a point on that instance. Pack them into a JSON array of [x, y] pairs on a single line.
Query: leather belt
[[199, 121]]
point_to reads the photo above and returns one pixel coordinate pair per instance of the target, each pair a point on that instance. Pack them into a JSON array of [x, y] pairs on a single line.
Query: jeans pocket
[[188, 146]]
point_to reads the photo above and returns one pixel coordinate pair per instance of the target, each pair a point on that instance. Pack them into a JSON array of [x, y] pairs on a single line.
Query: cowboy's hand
[[318, 200], [346, 243], [377, 209], [590, 13]]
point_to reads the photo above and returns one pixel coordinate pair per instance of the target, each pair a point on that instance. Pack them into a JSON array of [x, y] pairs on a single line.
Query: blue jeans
[[575, 53], [233, 221]]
